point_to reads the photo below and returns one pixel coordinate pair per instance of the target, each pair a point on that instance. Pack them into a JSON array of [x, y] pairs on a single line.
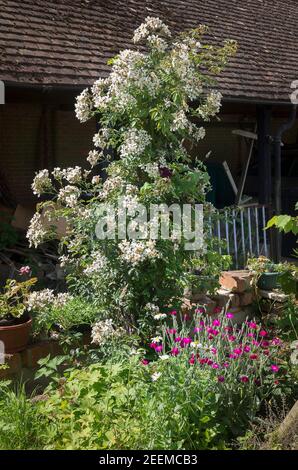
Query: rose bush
[[154, 101]]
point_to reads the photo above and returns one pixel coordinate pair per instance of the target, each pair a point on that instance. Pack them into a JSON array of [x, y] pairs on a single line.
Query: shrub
[[153, 101]]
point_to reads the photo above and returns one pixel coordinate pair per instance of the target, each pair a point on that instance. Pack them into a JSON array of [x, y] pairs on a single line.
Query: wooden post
[[264, 154]]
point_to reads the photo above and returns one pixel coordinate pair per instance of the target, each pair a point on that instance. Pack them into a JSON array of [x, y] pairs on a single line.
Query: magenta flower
[[145, 362], [186, 317], [172, 331], [252, 325], [197, 329], [231, 338], [177, 339], [152, 345], [158, 348], [173, 313], [253, 357], [265, 344], [217, 310], [216, 323], [213, 350], [200, 310], [175, 352], [192, 360], [220, 378], [230, 315], [185, 341], [276, 341], [263, 333], [250, 335], [274, 368], [225, 365], [246, 348], [244, 379], [203, 360], [215, 365], [237, 351], [209, 362]]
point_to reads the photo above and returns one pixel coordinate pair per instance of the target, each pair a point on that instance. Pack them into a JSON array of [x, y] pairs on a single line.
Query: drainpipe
[[277, 140]]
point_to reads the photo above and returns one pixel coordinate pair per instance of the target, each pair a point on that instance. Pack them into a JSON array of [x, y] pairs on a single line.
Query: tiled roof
[[68, 42]]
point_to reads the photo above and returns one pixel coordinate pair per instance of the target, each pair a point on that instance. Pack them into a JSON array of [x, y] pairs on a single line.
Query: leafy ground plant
[[20, 423]]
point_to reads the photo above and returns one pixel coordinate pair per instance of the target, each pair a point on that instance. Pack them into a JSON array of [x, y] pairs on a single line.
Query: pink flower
[[231, 338], [192, 360], [177, 339], [185, 341], [213, 350], [244, 379], [252, 325], [226, 364], [173, 312], [246, 348], [175, 352], [216, 323], [203, 360], [274, 368], [172, 331], [265, 344], [276, 341], [250, 335], [220, 378], [158, 348], [209, 362], [255, 343], [152, 345], [197, 329], [200, 310], [237, 351], [215, 365], [263, 333], [145, 362], [230, 315], [25, 270], [253, 357]]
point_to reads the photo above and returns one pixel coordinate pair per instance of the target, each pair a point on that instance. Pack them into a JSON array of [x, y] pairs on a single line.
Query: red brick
[[246, 298], [236, 281]]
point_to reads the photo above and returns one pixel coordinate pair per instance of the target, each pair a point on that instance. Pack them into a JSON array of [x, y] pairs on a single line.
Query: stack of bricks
[[236, 294]]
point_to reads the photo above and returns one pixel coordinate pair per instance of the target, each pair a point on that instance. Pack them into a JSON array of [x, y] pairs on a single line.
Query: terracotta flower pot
[[15, 337]]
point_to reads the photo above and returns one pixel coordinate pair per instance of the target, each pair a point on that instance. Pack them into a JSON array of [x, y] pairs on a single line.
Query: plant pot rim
[[14, 327]]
